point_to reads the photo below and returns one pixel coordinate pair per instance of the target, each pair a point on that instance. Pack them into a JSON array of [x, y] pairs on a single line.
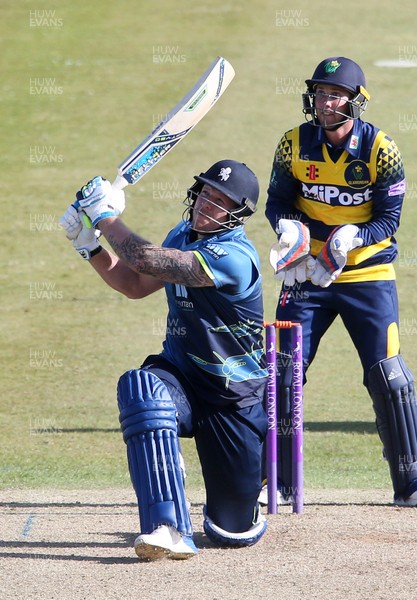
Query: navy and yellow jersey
[[362, 183], [214, 335]]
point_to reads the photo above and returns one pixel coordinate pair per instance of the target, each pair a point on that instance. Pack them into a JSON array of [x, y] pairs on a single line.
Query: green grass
[[62, 353]]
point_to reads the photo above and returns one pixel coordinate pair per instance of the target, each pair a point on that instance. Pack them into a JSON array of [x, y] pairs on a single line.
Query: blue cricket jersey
[[214, 335]]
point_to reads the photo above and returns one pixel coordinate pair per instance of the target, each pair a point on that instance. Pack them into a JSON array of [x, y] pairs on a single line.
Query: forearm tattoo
[[166, 264]]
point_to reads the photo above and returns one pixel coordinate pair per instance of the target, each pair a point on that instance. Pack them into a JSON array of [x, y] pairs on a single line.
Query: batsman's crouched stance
[[209, 380], [154, 407]]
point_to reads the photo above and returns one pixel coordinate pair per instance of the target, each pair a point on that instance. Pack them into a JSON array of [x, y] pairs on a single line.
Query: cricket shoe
[[165, 542], [410, 496], [282, 500]]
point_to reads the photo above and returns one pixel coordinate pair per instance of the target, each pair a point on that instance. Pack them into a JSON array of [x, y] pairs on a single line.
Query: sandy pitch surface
[[78, 544]]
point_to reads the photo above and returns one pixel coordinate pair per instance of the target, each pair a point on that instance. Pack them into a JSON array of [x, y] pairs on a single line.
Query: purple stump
[[271, 410], [297, 419]]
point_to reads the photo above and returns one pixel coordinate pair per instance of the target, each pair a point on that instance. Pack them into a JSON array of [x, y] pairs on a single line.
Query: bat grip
[[120, 182], [82, 215]]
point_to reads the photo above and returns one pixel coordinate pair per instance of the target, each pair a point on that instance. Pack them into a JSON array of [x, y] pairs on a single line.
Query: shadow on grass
[[91, 430], [44, 550], [76, 504], [341, 426]]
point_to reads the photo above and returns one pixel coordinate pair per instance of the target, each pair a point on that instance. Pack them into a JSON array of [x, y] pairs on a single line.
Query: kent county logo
[[224, 173], [332, 66], [357, 174]]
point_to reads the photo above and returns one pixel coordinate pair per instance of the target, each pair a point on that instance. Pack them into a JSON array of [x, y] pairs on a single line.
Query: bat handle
[[120, 182]]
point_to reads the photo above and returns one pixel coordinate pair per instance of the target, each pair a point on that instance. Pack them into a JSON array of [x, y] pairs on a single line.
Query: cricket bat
[[174, 127], [177, 124]]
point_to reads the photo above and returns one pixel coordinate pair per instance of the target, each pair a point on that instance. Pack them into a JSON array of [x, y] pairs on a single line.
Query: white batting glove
[[99, 200], [71, 223], [86, 240], [333, 256]]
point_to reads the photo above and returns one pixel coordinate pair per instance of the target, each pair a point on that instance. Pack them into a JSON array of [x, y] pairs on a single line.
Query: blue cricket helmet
[[340, 71], [233, 179], [344, 73]]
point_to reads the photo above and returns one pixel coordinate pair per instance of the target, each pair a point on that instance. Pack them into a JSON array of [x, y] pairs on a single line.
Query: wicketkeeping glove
[[333, 256], [290, 256], [80, 232], [99, 200]]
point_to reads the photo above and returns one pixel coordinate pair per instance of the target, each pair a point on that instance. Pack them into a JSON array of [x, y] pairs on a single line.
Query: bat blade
[[177, 124]]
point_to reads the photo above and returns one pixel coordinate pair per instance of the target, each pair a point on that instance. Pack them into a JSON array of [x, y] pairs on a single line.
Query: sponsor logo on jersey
[[181, 296], [312, 172], [357, 174], [215, 251], [331, 194]]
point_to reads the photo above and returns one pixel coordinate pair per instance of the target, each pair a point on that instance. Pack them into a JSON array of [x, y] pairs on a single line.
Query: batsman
[[208, 382], [335, 198]]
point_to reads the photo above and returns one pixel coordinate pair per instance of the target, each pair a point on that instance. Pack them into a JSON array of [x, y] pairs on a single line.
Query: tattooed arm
[[140, 268]]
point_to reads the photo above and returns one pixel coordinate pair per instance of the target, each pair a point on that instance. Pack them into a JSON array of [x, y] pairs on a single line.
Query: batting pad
[[148, 422], [391, 386], [226, 539]]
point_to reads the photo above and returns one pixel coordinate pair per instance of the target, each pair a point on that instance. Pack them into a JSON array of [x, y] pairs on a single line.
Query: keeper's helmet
[[236, 181], [341, 72]]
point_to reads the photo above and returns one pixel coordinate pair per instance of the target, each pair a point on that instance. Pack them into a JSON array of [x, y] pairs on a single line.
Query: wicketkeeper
[[334, 199], [208, 382]]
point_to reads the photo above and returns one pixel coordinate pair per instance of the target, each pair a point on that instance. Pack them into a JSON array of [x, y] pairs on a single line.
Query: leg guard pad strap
[[147, 417], [144, 404]]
